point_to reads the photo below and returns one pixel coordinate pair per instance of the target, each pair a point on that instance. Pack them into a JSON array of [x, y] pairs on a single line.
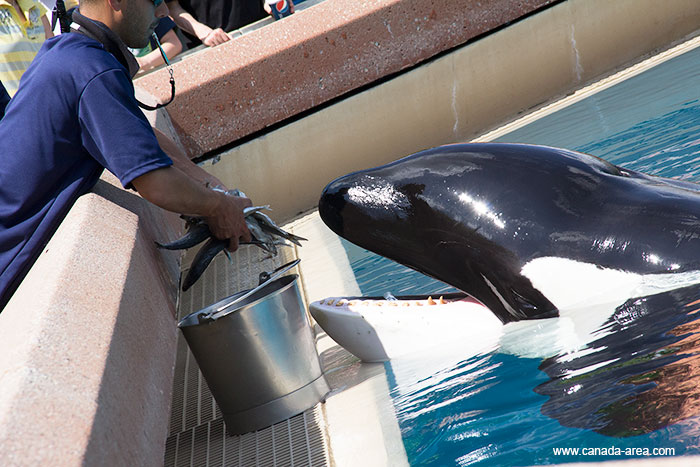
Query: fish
[[202, 259], [267, 225], [264, 232], [196, 234]]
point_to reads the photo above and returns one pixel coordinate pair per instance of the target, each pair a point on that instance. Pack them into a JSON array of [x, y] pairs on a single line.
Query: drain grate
[[298, 441], [197, 431]]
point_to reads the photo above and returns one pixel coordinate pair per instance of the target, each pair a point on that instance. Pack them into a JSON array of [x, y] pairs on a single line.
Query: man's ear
[[116, 5]]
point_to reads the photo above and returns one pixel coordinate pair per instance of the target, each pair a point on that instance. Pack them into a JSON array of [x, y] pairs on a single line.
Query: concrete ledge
[[88, 340], [263, 77]]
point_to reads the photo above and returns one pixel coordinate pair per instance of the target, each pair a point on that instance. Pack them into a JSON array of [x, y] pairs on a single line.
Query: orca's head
[[488, 192], [481, 216]]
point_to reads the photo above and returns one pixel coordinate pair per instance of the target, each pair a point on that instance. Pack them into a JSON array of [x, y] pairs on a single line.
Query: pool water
[[635, 385]]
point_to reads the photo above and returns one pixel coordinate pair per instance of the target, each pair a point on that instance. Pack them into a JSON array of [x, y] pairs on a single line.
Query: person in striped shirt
[[23, 28]]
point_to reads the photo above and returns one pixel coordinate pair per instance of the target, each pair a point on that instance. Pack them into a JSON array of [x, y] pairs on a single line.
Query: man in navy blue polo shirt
[[74, 115]]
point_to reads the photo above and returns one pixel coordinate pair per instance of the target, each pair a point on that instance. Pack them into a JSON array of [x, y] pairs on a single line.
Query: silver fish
[[264, 232], [196, 234], [202, 259], [270, 227]]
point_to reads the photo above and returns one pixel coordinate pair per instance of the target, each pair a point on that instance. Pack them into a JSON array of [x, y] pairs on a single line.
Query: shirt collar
[[111, 42]]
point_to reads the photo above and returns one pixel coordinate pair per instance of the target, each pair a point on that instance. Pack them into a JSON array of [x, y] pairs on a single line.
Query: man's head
[[132, 20]]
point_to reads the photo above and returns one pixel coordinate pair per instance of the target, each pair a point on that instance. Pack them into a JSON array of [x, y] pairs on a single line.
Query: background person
[[207, 21], [150, 57], [23, 28]]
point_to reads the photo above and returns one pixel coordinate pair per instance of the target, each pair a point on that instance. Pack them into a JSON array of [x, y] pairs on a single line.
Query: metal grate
[[197, 430], [298, 441]]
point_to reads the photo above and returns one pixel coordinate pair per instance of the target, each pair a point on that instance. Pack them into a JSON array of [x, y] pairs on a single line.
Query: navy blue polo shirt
[[73, 115]]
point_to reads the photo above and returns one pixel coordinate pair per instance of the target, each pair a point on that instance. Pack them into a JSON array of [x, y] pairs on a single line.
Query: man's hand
[[228, 221], [187, 23], [175, 191]]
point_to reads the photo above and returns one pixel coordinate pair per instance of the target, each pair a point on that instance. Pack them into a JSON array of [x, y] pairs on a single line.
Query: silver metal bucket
[[258, 356]]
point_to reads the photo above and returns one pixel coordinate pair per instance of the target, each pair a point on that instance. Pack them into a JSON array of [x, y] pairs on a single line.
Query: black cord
[[158, 106], [60, 14], [64, 19], [172, 79]]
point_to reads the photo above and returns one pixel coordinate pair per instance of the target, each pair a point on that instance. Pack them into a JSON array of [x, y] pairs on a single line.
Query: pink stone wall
[[325, 51], [88, 341]]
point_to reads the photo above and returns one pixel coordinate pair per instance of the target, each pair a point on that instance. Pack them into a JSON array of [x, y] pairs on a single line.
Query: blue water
[[498, 409]]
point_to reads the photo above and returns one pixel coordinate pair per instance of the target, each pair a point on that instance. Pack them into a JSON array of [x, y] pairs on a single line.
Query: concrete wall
[[318, 54], [88, 340]]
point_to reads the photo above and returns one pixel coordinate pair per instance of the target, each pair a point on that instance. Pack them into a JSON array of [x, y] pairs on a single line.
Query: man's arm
[[173, 190], [209, 37], [48, 33], [182, 162]]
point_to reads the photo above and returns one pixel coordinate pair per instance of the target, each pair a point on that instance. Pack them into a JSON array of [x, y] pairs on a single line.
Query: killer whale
[[503, 222]]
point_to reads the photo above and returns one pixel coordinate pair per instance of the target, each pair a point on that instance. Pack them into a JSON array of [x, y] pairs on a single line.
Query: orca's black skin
[[472, 215]]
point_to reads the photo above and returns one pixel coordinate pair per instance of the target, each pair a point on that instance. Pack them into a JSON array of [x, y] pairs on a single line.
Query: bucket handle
[[266, 276], [264, 279]]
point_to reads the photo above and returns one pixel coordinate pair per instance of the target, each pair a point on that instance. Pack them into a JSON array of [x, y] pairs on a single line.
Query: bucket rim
[[236, 307]]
